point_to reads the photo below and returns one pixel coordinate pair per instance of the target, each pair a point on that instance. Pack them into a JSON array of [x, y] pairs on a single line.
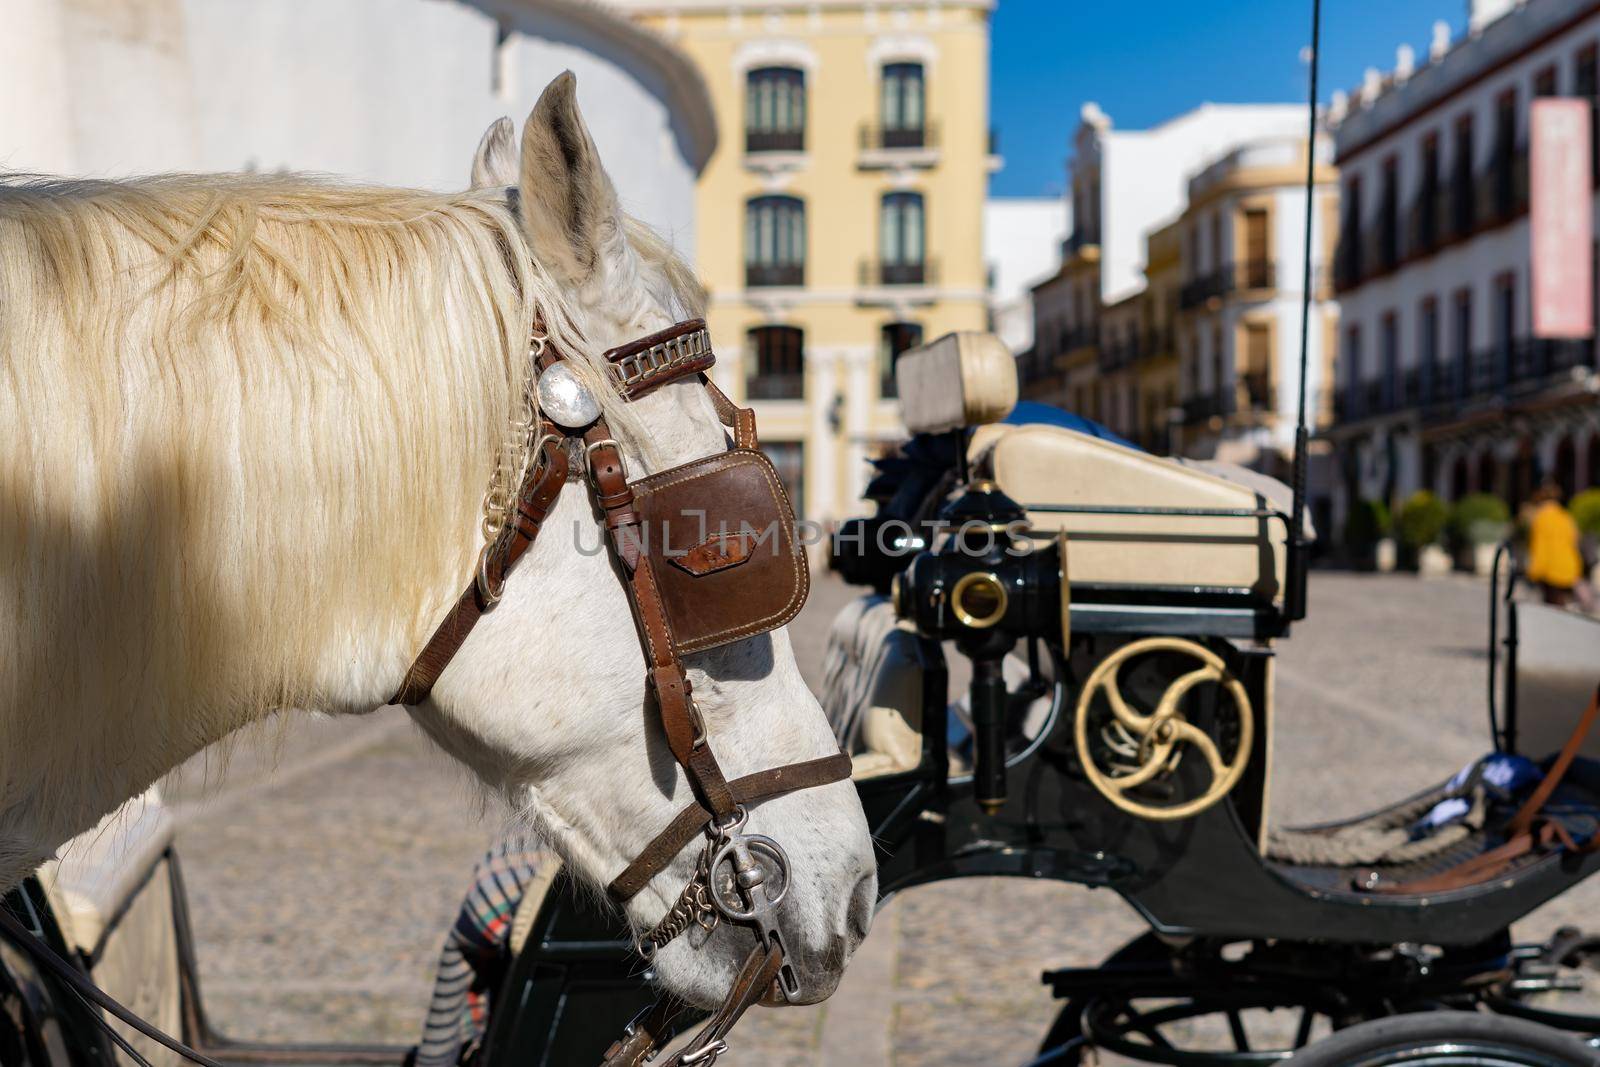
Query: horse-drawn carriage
[[1111, 643], [1110, 617]]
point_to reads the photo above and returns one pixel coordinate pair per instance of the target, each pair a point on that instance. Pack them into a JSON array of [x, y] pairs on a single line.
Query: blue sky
[[1146, 60]]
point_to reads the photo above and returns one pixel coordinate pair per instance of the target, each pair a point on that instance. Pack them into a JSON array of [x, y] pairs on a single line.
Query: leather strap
[[535, 497], [751, 789], [1522, 821], [1525, 833], [742, 421]]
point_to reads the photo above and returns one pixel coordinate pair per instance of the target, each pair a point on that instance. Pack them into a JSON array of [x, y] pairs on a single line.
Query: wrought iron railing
[[758, 275], [876, 272], [775, 140]]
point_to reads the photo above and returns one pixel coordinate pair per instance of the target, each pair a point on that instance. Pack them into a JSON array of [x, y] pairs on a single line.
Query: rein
[[683, 601]]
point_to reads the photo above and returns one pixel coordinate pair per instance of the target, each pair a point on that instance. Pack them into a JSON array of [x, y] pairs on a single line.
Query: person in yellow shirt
[[1554, 561]]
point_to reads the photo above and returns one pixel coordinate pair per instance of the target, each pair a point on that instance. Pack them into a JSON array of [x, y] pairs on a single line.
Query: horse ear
[[569, 206], [495, 161]]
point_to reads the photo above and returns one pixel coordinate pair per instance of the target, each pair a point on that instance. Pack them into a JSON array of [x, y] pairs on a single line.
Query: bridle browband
[[739, 878]]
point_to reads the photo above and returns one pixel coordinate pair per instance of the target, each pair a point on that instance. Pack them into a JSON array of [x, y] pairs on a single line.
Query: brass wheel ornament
[[1154, 741]]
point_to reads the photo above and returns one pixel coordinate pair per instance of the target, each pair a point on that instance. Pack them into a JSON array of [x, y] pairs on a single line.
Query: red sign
[[1560, 210]]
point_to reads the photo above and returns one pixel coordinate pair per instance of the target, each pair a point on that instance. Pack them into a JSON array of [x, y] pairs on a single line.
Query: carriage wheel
[[1554, 984], [1243, 1028], [1441, 1038]]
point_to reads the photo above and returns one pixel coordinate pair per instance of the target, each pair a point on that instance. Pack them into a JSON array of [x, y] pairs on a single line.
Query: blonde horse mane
[[245, 413]]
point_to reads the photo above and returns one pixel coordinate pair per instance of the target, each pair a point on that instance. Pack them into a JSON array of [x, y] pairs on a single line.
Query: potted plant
[[1366, 529], [1420, 524], [1585, 508], [1478, 523]]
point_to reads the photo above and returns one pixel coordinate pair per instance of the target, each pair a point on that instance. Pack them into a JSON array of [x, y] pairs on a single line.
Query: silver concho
[[565, 400]]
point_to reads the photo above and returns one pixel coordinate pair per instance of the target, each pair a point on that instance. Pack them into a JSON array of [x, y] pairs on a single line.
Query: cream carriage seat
[[111, 891], [1049, 465], [872, 688]]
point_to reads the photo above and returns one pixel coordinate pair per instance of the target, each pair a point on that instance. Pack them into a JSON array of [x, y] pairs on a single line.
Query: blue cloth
[[1033, 413], [1502, 774]]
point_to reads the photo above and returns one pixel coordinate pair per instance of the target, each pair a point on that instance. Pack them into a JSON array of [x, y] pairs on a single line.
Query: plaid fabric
[[475, 953]]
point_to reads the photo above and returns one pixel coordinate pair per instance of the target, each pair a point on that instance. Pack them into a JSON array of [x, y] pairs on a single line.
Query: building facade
[[842, 220], [393, 91], [1441, 384], [1242, 242], [1173, 317]]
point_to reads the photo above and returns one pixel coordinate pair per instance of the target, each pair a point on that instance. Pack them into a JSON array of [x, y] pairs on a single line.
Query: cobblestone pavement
[[324, 866]]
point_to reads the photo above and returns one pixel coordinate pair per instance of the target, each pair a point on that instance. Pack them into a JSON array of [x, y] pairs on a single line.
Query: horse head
[[547, 702]]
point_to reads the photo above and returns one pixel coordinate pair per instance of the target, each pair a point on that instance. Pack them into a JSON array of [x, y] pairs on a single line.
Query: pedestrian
[[1554, 561]]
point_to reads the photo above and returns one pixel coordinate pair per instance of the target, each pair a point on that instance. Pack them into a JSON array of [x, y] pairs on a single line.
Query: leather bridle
[[739, 878]]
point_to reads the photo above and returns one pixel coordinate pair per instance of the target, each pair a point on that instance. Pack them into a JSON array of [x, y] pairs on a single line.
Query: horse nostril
[[863, 902]]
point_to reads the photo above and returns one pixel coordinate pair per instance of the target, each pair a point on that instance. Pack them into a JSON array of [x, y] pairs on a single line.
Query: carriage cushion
[[872, 688], [1051, 465]]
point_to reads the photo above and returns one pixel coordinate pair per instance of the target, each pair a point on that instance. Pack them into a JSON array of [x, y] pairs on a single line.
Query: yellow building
[[841, 219]]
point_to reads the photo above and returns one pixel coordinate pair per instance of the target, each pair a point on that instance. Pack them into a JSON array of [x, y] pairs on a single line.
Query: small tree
[[1585, 508], [1479, 519], [1365, 526], [1421, 520]]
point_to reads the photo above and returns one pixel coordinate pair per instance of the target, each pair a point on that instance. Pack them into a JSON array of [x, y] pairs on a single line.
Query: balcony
[[776, 387], [898, 146], [768, 275], [872, 273], [1252, 275], [1498, 374], [774, 141]]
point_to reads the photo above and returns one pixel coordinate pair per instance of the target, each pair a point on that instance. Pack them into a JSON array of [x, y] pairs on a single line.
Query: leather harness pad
[[720, 535]]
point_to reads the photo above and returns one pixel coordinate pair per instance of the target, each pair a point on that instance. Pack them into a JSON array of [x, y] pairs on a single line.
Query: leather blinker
[[720, 533]]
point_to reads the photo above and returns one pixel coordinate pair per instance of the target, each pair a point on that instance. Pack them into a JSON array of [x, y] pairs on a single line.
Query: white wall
[[1145, 174], [1468, 81], [393, 91], [1021, 247]]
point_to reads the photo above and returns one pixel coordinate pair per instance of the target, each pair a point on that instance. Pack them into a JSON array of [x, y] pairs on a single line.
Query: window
[[1428, 227], [901, 240], [1258, 365], [897, 338], [1389, 216], [1389, 355], [778, 370], [775, 110], [1505, 152], [1462, 215], [774, 241], [1505, 312], [1544, 82], [1257, 273], [1463, 340], [902, 112], [1352, 373], [1428, 348], [1348, 265]]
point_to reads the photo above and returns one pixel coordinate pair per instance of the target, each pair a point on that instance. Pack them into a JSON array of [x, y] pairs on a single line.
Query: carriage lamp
[[985, 586]]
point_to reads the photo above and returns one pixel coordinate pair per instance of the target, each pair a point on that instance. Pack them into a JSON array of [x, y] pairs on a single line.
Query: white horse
[[246, 430]]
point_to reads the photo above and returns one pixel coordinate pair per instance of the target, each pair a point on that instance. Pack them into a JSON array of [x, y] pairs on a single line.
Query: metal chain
[[692, 906]]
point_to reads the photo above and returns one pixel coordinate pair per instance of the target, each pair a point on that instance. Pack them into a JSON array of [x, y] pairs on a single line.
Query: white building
[[1243, 242], [1441, 384], [1124, 332], [1022, 246], [393, 91]]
